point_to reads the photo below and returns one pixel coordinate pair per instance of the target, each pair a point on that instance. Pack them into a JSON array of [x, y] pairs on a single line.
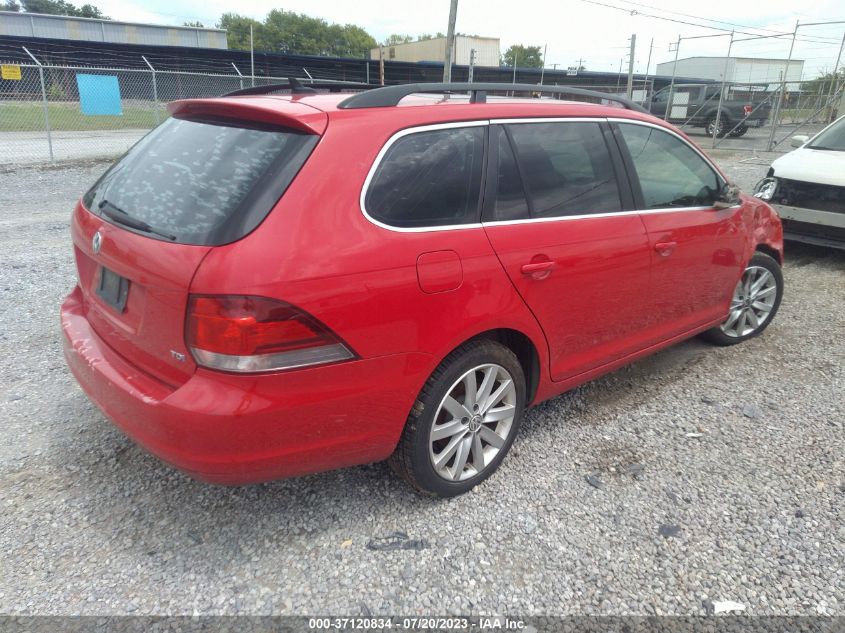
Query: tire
[[417, 452], [739, 325], [740, 131], [724, 126]]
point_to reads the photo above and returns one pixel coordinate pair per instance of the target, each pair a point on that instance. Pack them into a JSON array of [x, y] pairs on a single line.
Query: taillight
[[747, 109], [254, 334]]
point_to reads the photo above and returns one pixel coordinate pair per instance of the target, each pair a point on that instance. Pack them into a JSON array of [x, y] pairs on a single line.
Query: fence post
[[782, 91], [240, 76], [672, 82], [155, 88], [44, 101], [717, 124]]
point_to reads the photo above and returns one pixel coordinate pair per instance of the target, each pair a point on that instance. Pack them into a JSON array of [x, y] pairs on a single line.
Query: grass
[[29, 117]]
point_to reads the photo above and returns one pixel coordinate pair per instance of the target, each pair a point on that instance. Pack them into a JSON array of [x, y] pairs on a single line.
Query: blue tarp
[[99, 94]]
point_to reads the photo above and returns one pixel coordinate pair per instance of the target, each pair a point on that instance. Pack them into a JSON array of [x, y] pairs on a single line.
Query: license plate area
[[113, 289]]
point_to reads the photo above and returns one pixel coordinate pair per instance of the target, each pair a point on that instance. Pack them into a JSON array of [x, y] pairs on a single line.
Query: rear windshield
[[200, 181]]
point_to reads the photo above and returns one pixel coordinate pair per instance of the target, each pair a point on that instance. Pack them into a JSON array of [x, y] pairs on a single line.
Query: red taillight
[[747, 109], [247, 334]]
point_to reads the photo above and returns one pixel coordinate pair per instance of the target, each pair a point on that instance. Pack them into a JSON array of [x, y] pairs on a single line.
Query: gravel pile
[[697, 476]]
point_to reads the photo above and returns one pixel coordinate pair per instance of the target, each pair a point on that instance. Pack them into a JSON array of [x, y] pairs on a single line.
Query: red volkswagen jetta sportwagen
[[278, 284]]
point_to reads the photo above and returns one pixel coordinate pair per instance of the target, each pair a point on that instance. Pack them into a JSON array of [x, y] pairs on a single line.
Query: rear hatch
[[206, 177]]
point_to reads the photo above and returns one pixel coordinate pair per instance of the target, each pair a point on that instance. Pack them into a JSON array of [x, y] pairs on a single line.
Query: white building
[[740, 69], [434, 50]]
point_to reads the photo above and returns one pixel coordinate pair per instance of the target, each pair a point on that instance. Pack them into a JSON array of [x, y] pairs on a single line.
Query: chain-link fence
[[55, 113]]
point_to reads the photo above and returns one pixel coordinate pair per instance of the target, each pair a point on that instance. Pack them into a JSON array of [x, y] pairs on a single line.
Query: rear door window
[[429, 178], [201, 181], [566, 167]]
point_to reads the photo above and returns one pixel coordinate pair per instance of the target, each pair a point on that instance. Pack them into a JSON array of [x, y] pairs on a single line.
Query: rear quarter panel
[[317, 251]]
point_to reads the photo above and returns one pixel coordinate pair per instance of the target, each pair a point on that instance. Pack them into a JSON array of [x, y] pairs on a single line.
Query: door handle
[[538, 270], [664, 249]]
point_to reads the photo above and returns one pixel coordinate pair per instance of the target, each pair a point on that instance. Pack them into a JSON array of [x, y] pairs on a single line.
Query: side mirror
[[728, 197], [799, 140]]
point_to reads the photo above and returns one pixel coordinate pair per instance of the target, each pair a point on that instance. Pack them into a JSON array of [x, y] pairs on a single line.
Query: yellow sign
[[10, 71]]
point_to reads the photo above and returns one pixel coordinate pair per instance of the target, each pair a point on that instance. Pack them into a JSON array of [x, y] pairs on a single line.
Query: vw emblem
[[97, 242]]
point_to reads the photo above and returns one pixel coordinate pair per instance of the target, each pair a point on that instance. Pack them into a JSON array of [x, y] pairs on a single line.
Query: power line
[[635, 13]]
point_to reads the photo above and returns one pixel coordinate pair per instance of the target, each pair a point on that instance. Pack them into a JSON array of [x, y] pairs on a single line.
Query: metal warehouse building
[[487, 51], [63, 27], [740, 69]]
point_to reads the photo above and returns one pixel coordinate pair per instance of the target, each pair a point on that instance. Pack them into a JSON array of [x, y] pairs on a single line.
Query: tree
[[61, 7], [526, 56], [196, 25], [297, 34], [10, 5], [394, 39]]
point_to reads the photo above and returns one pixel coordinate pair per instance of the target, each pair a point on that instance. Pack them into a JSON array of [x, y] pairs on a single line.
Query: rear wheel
[[464, 420], [720, 126], [755, 302]]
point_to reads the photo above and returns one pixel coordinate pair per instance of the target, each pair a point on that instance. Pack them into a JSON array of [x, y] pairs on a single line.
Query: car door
[[559, 218], [697, 249]]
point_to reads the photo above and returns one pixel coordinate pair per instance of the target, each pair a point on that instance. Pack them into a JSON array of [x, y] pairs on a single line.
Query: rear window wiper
[[120, 216]]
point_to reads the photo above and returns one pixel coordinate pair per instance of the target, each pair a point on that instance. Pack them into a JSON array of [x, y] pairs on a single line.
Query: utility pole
[[471, 64], [251, 56], [580, 64], [514, 64], [646, 91], [630, 90], [543, 70], [450, 41], [381, 65], [619, 74]]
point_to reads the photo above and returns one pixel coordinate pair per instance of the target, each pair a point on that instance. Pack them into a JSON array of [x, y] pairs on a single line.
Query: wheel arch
[[526, 353], [770, 251]]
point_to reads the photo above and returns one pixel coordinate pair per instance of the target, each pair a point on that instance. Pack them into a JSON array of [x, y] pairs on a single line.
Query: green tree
[[10, 5], [394, 39], [197, 24], [298, 34], [526, 56], [61, 7]]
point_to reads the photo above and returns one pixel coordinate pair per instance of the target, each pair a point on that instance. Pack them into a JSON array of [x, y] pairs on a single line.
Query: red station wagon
[[278, 284]]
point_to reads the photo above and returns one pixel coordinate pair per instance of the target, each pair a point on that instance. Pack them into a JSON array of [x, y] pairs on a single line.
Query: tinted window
[[670, 172], [511, 203], [202, 182], [429, 179], [567, 168]]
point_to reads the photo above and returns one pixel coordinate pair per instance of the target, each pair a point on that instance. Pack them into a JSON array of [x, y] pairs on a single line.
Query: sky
[[595, 31]]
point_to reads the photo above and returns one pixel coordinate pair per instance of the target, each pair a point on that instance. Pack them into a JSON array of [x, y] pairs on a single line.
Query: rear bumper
[[236, 429]]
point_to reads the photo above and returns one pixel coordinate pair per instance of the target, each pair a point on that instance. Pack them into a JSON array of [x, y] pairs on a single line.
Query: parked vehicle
[[807, 187], [698, 105], [273, 285]]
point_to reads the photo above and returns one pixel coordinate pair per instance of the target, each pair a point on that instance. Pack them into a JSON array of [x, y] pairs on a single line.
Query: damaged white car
[[807, 187]]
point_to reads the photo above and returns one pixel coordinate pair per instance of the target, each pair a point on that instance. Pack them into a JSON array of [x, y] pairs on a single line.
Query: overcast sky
[[572, 29]]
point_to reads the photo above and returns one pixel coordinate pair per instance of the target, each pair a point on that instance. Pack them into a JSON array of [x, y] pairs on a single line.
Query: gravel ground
[[716, 474]]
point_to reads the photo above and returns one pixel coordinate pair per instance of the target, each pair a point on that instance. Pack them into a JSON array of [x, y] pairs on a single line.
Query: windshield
[[833, 138], [205, 181]]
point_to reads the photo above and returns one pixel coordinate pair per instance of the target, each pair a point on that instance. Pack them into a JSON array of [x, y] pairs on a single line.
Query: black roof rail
[[382, 97], [299, 88]]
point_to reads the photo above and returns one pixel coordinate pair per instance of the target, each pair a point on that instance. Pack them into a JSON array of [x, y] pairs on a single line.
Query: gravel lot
[[749, 508]]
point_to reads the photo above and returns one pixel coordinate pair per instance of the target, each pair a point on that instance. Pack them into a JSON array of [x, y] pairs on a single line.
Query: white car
[[807, 187]]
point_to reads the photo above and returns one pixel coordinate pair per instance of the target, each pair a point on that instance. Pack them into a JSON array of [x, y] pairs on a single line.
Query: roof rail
[[297, 87], [382, 97]]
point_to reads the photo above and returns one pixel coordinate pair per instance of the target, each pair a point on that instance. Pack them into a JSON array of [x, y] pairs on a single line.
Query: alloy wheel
[[752, 303], [473, 422]]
